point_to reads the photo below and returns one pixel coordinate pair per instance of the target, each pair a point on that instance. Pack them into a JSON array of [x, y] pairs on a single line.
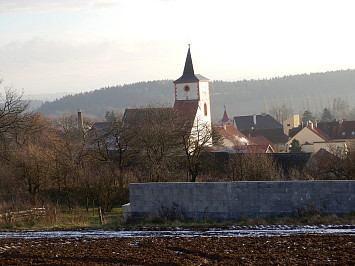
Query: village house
[[312, 139], [290, 123], [255, 122]]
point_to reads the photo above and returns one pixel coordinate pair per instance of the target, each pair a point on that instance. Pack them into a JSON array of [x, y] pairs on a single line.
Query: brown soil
[[298, 249]]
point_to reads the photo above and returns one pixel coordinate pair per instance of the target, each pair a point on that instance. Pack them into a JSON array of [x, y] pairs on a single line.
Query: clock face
[[186, 91]]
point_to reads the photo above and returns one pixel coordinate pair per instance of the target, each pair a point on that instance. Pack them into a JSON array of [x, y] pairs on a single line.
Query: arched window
[[205, 109]]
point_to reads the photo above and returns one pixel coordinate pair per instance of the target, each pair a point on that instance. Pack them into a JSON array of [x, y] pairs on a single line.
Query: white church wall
[[186, 94]]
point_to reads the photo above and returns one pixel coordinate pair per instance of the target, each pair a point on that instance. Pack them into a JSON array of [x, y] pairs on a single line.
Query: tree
[[196, 137], [252, 167], [281, 113], [327, 115], [340, 108], [30, 155], [110, 116], [155, 132], [295, 146], [352, 114], [308, 116], [12, 110]]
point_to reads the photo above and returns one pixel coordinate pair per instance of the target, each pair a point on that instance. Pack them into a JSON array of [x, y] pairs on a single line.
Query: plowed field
[[264, 250]]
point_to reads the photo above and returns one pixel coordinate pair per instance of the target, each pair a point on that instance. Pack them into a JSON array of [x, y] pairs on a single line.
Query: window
[[353, 133], [288, 125], [186, 88], [205, 109], [343, 133]]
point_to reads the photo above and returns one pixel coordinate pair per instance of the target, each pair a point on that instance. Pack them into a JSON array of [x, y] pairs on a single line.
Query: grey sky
[[80, 45]]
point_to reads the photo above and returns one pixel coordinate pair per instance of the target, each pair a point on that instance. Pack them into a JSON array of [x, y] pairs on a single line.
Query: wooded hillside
[[300, 92]]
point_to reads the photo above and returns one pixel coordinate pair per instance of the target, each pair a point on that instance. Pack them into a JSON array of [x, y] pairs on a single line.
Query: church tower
[[193, 89]]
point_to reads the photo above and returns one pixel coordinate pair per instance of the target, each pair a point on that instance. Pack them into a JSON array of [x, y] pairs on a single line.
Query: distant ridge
[[305, 91]]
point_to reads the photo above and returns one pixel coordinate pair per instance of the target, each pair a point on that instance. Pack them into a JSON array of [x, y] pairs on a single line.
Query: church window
[[186, 88], [205, 109]]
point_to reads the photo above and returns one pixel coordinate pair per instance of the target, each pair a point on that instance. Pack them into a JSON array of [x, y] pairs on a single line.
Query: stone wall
[[224, 201]]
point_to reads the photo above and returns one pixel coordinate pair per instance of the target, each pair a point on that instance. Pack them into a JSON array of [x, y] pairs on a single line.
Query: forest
[[312, 92]]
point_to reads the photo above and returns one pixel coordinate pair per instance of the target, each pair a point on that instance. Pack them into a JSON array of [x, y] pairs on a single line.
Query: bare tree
[[340, 108], [253, 167], [280, 112], [196, 137], [12, 109], [155, 140]]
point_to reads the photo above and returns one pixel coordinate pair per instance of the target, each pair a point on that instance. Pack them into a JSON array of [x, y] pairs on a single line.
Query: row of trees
[[339, 109]]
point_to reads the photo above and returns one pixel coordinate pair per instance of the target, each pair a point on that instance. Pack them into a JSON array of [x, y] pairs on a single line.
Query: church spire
[[189, 68], [225, 119], [189, 74]]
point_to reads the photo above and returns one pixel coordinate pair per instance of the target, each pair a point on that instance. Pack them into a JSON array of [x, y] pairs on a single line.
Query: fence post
[[101, 216]]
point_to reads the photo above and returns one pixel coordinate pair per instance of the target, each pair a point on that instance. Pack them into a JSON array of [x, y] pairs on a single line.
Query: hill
[[300, 92]]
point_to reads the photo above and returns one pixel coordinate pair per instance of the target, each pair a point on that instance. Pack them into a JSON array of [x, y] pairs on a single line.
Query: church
[[192, 99], [192, 103]]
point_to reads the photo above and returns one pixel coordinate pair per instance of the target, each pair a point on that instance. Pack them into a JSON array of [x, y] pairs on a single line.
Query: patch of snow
[[233, 231]]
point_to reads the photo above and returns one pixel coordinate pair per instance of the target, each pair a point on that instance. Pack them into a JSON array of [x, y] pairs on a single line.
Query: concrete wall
[[234, 200]]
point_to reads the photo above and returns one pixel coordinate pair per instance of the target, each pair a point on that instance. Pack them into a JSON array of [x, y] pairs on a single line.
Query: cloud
[[25, 6], [78, 64]]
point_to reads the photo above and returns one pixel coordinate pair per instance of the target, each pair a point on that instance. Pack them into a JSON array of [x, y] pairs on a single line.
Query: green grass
[[81, 219]]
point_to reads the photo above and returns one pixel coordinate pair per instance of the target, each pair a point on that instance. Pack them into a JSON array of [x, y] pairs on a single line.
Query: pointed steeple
[[225, 119], [189, 74], [189, 68]]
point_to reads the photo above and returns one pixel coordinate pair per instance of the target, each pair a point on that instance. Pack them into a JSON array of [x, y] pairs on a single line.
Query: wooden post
[[101, 216], [93, 207]]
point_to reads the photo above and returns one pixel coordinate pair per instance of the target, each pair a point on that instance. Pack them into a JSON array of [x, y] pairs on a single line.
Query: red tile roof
[[338, 129], [187, 109], [275, 135], [320, 133], [232, 134], [225, 118]]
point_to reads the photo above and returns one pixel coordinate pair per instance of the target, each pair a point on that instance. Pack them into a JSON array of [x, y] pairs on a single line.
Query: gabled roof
[[261, 140], [244, 149], [275, 135], [139, 115], [189, 74], [324, 155], [234, 136], [260, 149], [338, 129], [319, 132], [262, 121], [187, 109]]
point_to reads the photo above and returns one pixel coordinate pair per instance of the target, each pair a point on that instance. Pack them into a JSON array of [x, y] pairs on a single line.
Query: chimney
[[254, 119], [80, 120], [224, 127], [311, 124]]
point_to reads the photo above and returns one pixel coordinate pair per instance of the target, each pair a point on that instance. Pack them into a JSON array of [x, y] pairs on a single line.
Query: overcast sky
[[49, 46]]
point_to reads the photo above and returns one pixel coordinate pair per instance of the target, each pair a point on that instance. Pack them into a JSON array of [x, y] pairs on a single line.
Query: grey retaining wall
[[234, 200]]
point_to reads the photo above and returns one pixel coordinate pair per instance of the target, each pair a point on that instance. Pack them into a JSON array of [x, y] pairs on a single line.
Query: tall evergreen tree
[[295, 146], [308, 116], [327, 115]]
